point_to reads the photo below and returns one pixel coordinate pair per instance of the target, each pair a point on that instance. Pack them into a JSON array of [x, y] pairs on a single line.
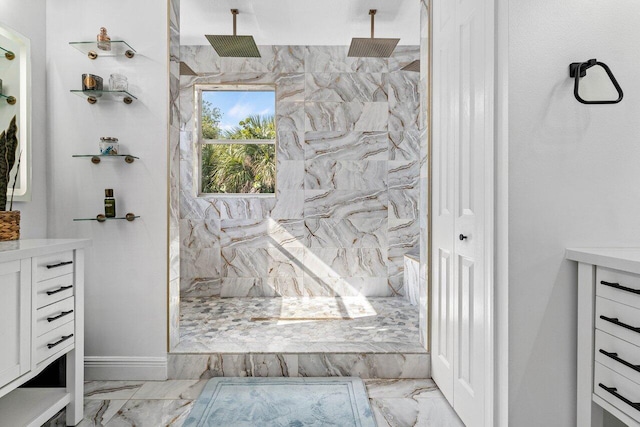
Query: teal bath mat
[[282, 402]]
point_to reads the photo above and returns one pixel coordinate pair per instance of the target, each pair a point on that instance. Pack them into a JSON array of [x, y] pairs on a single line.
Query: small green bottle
[[109, 203]]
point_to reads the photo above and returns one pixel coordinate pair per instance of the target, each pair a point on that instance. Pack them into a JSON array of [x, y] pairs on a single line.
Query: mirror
[[15, 100]]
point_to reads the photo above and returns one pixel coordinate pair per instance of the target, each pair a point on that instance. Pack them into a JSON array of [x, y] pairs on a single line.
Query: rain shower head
[[372, 47], [413, 66], [185, 70], [234, 46]]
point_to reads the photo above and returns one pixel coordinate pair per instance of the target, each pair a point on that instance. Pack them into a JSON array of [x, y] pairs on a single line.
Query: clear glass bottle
[[109, 203], [104, 41]]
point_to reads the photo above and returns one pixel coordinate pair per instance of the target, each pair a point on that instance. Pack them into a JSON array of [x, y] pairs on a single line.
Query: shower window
[[236, 139]]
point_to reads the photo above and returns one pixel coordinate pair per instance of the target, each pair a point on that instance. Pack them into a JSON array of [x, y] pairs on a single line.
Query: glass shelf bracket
[[8, 54], [11, 100], [93, 96], [118, 48], [101, 218], [96, 158]]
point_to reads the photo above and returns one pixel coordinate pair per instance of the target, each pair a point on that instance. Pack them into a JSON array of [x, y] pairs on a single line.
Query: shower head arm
[[372, 12], [234, 12]]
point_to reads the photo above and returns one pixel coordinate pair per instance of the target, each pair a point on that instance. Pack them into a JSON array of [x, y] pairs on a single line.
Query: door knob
[[462, 237]]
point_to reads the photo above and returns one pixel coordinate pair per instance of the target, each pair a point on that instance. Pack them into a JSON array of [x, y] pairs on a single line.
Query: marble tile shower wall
[[423, 207], [174, 167], [348, 174]]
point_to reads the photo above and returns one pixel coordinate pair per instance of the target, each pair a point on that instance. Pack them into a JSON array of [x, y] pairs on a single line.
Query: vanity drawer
[[619, 320], [54, 315], [54, 290], [618, 286], [618, 355], [619, 390], [55, 341], [54, 265]]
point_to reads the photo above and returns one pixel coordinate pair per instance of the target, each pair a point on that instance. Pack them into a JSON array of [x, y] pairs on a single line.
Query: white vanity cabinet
[[41, 319], [15, 319], [608, 356]]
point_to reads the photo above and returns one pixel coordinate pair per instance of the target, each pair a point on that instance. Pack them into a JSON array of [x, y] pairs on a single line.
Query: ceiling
[[300, 22]]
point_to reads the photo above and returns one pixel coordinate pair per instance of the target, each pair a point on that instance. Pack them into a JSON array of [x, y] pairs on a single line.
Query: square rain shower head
[[372, 47], [413, 66], [185, 70], [234, 46]]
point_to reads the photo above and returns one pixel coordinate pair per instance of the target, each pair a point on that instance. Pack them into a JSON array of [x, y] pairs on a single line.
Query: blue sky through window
[[238, 105]]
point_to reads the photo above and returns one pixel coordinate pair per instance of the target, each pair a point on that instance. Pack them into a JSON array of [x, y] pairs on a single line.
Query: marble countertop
[[17, 249], [626, 259]]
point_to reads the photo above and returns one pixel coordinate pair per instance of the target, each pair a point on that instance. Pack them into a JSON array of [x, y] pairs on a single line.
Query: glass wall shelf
[[11, 100], [101, 218], [118, 48], [95, 158], [94, 96], [7, 53]]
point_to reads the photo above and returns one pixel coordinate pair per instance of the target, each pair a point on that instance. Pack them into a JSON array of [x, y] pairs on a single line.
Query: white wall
[[574, 181], [126, 283], [28, 18]]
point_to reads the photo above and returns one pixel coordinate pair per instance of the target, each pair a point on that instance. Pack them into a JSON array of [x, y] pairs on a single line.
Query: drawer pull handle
[[64, 313], [614, 391], [615, 357], [619, 286], [615, 321], [60, 264], [60, 341], [60, 289]]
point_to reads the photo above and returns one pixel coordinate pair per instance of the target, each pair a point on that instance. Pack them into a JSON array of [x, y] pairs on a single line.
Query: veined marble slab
[[200, 233], [290, 145], [403, 204], [345, 204], [290, 87], [290, 175], [264, 233], [404, 145], [245, 207], [404, 116], [347, 116], [202, 287], [412, 280], [392, 412], [345, 174], [402, 87], [343, 262], [346, 145], [363, 365], [347, 233], [152, 412], [345, 87], [290, 116], [403, 175]]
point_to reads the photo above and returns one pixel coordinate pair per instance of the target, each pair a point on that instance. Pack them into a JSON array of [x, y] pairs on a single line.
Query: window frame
[[200, 142]]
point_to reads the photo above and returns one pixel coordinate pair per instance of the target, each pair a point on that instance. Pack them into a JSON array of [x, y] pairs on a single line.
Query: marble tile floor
[[298, 325], [395, 403]]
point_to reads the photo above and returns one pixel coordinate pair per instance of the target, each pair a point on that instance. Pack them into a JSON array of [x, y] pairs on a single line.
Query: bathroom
[[563, 174]]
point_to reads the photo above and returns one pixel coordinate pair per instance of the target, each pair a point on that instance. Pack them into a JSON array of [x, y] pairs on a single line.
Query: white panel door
[[444, 136], [461, 141], [15, 320]]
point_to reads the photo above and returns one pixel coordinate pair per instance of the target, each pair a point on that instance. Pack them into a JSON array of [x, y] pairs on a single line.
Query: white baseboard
[[101, 368]]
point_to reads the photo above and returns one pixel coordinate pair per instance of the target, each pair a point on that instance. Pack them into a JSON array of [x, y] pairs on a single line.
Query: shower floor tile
[[298, 325]]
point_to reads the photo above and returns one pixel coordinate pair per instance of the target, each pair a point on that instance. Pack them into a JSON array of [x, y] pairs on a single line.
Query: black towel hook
[[583, 67]]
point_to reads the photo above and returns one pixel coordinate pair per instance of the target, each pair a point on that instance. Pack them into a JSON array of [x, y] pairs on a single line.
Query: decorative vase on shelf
[[9, 219]]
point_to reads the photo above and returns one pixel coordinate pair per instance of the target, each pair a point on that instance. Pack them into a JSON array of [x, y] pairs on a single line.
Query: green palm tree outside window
[[237, 168]]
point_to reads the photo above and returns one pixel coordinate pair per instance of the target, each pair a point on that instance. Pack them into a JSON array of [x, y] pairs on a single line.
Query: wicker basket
[[9, 225]]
